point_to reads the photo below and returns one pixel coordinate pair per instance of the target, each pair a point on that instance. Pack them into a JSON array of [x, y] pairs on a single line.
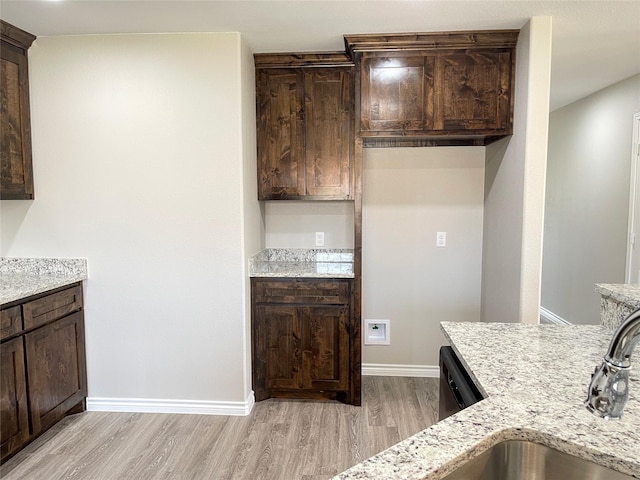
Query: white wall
[[138, 164], [587, 209], [293, 224], [514, 189], [409, 195]]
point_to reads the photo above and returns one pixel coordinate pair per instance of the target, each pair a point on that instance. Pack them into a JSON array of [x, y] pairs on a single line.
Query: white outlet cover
[[376, 332]]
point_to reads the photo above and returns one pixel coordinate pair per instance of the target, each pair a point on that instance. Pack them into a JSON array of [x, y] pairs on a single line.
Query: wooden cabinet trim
[[10, 321], [307, 60], [429, 41], [16, 36]]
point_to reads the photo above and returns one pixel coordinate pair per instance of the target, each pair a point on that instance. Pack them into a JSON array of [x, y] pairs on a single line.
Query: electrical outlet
[[319, 239], [441, 239]]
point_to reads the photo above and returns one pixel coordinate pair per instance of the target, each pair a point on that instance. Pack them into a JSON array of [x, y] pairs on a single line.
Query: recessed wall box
[[377, 332]]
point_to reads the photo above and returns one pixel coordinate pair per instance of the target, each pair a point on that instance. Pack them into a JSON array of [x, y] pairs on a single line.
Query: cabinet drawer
[[51, 307], [10, 321], [297, 291]]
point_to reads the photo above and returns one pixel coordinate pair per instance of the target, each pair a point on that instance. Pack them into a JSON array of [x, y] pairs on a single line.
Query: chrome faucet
[[609, 387]]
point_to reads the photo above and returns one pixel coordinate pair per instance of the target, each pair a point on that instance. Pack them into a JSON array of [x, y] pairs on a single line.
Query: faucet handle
[[608, 392]]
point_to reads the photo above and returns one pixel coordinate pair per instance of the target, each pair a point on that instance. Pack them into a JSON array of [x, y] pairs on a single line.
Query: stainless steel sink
[[521, 460]]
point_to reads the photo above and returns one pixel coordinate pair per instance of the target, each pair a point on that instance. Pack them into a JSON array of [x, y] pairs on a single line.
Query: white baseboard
[[550, 317], [391, 370], [151, 405]]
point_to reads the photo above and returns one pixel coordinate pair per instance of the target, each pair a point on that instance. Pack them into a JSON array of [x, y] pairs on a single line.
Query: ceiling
[[595, 43]]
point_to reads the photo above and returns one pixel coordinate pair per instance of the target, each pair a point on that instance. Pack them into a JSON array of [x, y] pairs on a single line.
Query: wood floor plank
[[280, 439]]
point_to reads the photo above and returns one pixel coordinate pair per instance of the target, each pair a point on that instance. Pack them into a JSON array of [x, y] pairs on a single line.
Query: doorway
[[633, 247]]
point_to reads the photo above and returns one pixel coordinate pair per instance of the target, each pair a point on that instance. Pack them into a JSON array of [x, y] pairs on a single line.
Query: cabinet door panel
[[328, 119], [279, 346], [325, 347], [56, 370], [16, 180], [397, 93], [14, 420], [474, 91], [280, 133]]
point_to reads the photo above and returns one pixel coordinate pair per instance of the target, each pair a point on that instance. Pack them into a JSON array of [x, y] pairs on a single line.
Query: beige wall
[[253, 235], [409, 195], [293, 224], [587, 209], [514, 189], [138, 164]]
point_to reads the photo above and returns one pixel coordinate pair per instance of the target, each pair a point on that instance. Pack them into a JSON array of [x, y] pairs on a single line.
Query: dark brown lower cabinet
[[56, 370], [44, 373], [14, 422], [301, 339]]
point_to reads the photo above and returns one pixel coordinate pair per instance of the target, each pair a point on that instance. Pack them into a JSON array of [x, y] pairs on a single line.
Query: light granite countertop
[[536, 378], [302, 263], [623, 293], [22, 277]]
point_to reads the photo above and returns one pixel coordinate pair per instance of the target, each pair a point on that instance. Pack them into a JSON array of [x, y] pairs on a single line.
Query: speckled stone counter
[[23, 277], [536, 378], [302, 263], [617, 302]]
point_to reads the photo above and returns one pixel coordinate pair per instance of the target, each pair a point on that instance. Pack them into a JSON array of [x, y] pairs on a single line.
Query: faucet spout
[[609, 388]]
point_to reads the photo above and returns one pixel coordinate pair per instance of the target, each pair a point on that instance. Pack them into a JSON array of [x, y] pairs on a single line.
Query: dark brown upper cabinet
[[16, 172], [434, 89], [304, 126]]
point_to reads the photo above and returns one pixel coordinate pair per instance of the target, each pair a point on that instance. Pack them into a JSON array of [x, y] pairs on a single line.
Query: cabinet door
[[277, 348], [328, 131], [16, 172], [280, 133], [474, 91], [325, 344], [14, 420], [56, 370], [397, 93]]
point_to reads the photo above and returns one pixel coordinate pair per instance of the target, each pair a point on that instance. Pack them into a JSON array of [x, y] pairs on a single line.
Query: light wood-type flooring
[[280, 439]]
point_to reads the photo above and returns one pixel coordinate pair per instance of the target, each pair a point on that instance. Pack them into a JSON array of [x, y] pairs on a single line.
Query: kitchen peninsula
[[535, 378]]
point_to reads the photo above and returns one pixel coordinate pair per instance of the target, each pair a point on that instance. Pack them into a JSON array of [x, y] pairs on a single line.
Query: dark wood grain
[[10, 321], [51, 307], [301, 338], [280, 133], [56, 370], [326, 348], [304, 111], [429, 41], [16, 170], [305, 59], [328, 131], [397, 93], [14, 421], [301, 291], [43, 364], [442, 89]]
